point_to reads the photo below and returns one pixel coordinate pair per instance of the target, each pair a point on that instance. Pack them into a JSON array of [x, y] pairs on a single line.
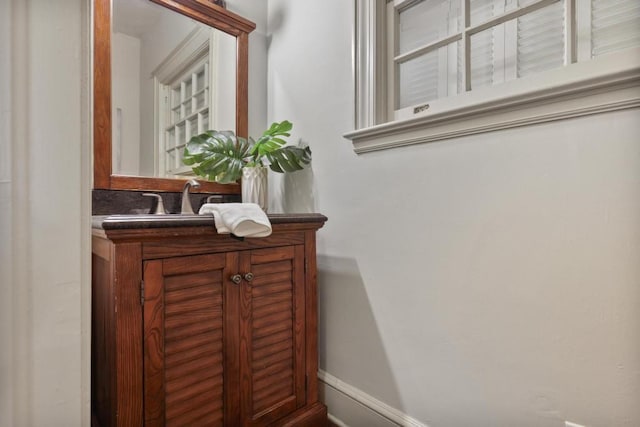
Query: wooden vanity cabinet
[[192, 328]]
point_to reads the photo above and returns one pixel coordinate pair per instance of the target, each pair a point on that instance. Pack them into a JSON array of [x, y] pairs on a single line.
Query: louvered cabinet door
[[272, 334], [184, 377]]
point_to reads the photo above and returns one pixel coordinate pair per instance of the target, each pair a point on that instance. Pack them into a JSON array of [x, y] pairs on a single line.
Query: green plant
[[220, 155]]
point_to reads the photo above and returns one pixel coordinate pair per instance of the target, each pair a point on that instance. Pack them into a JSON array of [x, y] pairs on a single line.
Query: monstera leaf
[[220, 156], [289, 159], [217, 156], [271, 140]]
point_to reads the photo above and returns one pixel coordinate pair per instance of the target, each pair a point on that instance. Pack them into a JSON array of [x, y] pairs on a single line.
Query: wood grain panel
[[271, 368], [266, 310], [189, 327], [242, 88], [275, 298], [277, 382], [193, 264], [265, 258], [277, 392], [102, 94], [183, 309], [129, 333], [311, 304], [233, 343], [209, 398], [210, 14], [312, 415], [284, 315], [202, 387], [174, 285], [103, 375], [283, 276], [184, 381], [204, 414], [140, 183], [201, 243], [194, 352], [195, 291], [204, 316], [268, 331], [300, 313], [153, 345], [187, 293], [274, 368], [195, 365], [273, 356], [284, 335], [184, 340], [174, 349], [270, 289]]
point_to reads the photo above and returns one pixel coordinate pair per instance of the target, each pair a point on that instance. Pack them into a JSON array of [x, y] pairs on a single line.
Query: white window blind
[[529, 44], [428, 70], [615, 25], [540, 40], [436, 54], [426, 74], [484, 45]]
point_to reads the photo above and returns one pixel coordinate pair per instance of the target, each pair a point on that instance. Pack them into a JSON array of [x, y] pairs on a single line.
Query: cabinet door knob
[[248, 277], [236, 278]]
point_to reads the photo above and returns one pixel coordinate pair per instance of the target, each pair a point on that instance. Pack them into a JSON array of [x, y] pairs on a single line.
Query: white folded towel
[[241, 219]]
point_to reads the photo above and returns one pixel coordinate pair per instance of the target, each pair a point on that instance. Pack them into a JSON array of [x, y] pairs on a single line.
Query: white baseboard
[[353, 407], [336, 421]]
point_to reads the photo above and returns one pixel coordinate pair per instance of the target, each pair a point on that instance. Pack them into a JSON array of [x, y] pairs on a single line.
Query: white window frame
[[196, 47], [606, 83]]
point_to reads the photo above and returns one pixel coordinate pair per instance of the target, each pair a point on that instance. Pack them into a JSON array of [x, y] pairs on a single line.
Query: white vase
[[255, 186]]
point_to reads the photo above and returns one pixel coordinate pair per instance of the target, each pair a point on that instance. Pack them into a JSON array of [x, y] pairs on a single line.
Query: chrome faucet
[[159, 205], [186, 202]]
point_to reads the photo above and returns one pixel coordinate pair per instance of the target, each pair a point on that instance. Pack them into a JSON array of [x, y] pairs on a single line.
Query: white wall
[[6, 271], [491, 280], [45, 200], [255, 11], [167, 33], [125, 95]]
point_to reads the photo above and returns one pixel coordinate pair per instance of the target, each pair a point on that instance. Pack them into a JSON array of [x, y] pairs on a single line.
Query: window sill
[[604, 84]]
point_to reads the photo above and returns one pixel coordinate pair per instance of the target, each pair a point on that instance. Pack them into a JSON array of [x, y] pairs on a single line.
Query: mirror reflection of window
[[172, 78], [188, 100], [182, 99]]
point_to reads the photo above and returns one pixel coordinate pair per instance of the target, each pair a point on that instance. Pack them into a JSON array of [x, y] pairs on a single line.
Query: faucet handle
[[159, 206], [214, 198], [186, 203]]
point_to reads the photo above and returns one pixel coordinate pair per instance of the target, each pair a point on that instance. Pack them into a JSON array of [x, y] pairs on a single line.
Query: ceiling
[[135, 17]]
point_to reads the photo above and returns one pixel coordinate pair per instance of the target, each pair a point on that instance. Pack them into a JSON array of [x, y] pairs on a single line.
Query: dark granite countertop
[[122, 222]]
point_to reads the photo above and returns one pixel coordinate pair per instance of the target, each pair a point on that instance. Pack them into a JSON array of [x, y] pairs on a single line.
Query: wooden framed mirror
[[202, 11]]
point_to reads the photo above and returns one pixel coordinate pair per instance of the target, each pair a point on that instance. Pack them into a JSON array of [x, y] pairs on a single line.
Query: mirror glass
[[172, 78]]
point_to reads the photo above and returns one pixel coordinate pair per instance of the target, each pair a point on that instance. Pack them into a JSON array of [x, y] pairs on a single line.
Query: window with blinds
[[184, 93], [440, 48], [613, 25], [186, 113]]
